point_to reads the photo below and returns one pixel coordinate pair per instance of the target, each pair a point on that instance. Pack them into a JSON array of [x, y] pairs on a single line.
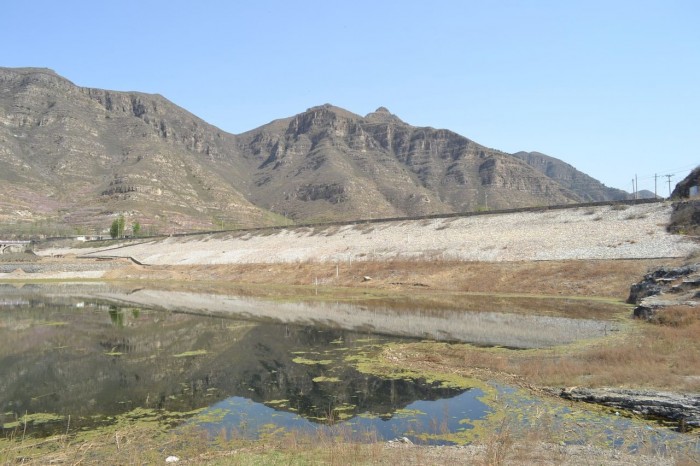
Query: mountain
[[78, 156], [74, 158], [587, 188], [646, 194], [328, 164]]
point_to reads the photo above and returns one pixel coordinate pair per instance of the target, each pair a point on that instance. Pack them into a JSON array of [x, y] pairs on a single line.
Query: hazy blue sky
[[611, 87]]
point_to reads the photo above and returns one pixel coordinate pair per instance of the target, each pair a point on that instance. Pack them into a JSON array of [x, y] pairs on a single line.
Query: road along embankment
[[583, 233]]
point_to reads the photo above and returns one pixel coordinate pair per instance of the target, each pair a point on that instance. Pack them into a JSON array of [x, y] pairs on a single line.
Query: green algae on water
[[35, 419], [321, 379], [187, 354], [311, 362]]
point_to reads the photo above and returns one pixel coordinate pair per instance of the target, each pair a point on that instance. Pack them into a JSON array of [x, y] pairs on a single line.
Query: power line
[[673, 171]]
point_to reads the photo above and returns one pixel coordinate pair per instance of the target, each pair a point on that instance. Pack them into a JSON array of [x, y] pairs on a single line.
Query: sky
[[611, 87]]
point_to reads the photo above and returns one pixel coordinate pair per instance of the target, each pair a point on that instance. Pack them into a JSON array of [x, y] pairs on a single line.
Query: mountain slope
[[79, 155], [588, 188], [74, 158], [328, 163]]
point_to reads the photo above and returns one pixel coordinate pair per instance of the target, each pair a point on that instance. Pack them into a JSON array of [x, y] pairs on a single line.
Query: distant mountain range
[[73, 158]]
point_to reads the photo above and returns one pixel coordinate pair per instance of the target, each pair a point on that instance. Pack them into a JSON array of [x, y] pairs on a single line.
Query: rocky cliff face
[[328, 163], [77, 157]]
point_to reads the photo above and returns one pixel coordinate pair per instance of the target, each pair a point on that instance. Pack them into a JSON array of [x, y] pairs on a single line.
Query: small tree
[[117, 228], [136, 228], [114, 229], [121, 225]]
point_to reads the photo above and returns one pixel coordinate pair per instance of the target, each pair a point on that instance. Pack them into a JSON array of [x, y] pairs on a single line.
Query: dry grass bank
[[507, 445], [605, 278], [663, 355]]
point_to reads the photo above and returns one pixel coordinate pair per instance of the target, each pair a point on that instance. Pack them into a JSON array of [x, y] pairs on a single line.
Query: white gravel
[[603, 232]]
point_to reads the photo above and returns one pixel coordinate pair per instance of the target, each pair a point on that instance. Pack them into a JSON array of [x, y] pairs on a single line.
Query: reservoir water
[[80, 356]]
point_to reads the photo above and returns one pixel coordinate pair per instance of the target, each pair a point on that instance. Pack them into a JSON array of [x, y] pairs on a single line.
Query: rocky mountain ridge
[[77, 157]]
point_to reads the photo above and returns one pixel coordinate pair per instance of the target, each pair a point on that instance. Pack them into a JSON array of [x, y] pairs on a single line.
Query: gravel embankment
[[603, 232]]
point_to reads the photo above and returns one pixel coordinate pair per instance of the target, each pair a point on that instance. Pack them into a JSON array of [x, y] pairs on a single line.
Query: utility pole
[[669, 184], [634, 191], [655, 178]]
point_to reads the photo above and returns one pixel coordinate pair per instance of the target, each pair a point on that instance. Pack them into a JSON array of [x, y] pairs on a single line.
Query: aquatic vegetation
[[276, 402], [188, 354], [321, 379], [312, 362], [408, 412], [35, 419]]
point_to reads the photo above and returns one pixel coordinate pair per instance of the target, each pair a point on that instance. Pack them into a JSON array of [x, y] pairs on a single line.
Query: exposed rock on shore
[[665, 286], [685, 218], [678, 407]]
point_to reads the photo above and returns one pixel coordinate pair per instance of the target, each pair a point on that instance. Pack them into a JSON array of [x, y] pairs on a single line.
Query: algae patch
[[311, 362], [35, 419], [188, 354], [321, 379]]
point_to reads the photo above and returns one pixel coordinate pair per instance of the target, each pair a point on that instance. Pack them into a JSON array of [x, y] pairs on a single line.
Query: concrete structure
[[10, 246]]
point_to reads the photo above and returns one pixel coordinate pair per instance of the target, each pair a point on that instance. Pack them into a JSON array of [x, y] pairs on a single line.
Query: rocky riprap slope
[[591, 233]]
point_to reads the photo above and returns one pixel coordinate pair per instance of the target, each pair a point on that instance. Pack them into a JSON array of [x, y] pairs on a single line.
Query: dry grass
[[610, 279], [677, 316], [510, 443], [665, 355]]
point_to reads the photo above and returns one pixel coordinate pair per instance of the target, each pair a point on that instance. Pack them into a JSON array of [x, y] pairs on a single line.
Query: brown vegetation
[[605, 278], [508, 444], [665, 355]]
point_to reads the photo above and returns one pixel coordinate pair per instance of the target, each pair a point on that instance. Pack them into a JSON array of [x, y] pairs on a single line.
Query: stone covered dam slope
[[604, 232]]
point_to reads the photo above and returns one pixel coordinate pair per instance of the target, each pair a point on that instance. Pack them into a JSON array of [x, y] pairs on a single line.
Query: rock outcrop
[[685, 218], [684, 187], [683, 408], [665, 286]]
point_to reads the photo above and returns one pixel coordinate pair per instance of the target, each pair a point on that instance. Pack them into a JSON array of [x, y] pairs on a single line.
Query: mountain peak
[[382, 115], [33, 74], [329, 108]]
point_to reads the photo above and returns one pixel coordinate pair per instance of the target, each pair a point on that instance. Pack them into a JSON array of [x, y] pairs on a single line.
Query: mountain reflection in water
[[83, 357]]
